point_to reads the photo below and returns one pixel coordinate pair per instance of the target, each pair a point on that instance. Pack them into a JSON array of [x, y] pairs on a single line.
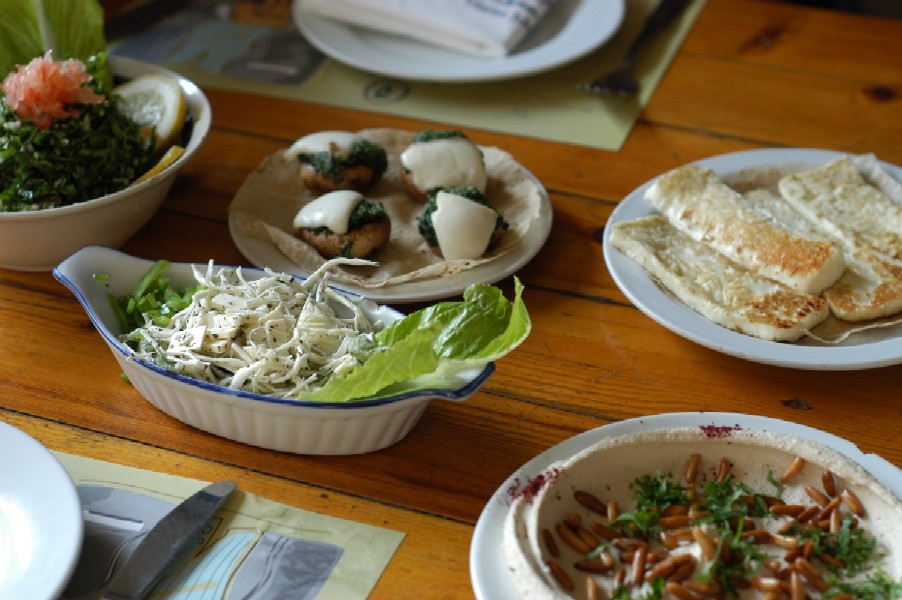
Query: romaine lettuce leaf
[[28, 28], [427, 348]]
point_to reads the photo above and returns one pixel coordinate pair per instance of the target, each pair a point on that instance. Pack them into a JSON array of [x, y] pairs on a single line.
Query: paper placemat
[[252, 548], [204, 43]]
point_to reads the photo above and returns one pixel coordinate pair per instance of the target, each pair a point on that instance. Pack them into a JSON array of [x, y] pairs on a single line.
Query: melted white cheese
[[450, 162], [463, 227], [340, 142], [332, 210]]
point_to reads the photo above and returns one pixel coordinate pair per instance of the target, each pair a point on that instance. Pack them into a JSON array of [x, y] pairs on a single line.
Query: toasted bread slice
[[871, 285], [842, 204], [714, 286], [697, 202]]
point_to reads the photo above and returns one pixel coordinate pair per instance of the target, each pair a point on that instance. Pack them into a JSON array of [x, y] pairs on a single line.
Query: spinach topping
[[425, 227], [99, 152], [428, 135], [362, 153], [364, 213]]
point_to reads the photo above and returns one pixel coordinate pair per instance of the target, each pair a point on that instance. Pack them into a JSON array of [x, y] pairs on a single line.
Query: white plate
[[490, 576], [570, 30], [861, 350], [263, 254], [40, 519]]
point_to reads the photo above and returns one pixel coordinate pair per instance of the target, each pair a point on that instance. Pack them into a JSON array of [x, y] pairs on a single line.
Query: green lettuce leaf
[[429, 348], [28, 28]]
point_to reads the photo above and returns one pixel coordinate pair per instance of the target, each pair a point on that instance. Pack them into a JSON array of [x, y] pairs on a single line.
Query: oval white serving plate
[[297, 426]]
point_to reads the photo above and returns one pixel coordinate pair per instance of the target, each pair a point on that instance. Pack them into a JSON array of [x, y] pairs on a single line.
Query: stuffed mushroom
[[343, 223], [458, 223], [441, 159], [338, 160]]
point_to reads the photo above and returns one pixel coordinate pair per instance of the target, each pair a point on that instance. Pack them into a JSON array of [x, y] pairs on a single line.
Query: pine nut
[[796, 587], [592, 591], [613, 511], [704, 543], [639, 565], [550, 543], [852, 501], [603, 530], [573, 520], [591, 502], [794, 468], [572, 539], [811, 574], [817, 495], [679, 592], [692, 469], [787, 510], [723, 470], [593, 566], [562, 578], [829, 482]]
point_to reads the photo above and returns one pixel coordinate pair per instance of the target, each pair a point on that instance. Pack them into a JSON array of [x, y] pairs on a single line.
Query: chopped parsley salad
[[65, 137]]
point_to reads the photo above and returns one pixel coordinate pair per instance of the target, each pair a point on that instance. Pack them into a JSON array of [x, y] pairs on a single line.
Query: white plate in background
[[488, 572], [41, 523], [861, 350], [569, 30]]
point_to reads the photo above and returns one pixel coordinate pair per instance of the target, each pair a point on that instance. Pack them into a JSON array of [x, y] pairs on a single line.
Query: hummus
[[609, 471], [270, 197]]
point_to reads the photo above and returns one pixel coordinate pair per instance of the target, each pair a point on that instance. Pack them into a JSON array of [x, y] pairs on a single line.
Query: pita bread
[[271, 195]]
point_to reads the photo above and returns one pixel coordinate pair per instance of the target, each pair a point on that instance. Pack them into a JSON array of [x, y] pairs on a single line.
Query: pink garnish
[[719, 431], [532, 486], [45, 90]]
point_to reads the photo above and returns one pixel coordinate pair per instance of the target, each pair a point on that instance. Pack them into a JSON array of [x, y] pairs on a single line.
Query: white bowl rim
[[200, 126], [460, 393]]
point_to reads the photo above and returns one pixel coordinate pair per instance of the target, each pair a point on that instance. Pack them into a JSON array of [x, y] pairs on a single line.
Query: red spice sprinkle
[[719, 431], [532, 486]]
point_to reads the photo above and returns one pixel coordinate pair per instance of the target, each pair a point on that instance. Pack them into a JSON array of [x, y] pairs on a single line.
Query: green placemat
[[251, 543], [217, 52]]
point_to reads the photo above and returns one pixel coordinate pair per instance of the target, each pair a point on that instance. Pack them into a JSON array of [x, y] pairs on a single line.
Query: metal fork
[[621, 81]]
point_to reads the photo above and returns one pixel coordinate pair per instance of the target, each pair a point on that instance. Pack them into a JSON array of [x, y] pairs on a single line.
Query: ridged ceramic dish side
[[291, 426]]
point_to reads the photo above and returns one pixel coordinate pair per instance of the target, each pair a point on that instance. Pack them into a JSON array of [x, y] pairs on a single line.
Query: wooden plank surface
[[751, 74]]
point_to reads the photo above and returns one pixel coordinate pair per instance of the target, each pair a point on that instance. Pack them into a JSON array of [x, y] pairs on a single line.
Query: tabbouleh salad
[[63, 137]]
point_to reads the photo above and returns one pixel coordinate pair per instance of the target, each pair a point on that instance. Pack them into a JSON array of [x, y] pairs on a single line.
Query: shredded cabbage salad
[[275, 335], [279, 336]]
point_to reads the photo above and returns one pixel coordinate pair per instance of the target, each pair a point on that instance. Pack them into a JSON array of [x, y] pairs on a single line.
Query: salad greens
[[28, 28], [429, 347]]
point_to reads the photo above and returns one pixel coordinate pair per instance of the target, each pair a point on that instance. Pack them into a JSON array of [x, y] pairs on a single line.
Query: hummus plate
[[490, 574]]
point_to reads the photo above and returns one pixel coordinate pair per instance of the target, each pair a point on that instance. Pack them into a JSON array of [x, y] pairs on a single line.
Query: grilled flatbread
[[841, 203], [695, 200], [714, 286]]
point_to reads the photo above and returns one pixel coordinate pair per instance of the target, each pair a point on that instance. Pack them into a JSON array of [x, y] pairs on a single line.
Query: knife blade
[[164, 543]]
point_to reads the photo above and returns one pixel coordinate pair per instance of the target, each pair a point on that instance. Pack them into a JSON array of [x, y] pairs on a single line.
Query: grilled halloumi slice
[[871, 285], [697, 202], [714, 286], [841, 203]]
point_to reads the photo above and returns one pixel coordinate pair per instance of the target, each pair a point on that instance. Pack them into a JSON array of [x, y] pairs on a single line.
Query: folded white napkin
[[490, 28]]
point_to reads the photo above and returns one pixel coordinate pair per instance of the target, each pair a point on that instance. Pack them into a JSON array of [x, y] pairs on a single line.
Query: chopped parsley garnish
[[362, 153], [429, 135], [364, 213]]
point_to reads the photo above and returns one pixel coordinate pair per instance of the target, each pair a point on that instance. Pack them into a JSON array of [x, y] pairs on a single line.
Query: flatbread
[[271, 196]]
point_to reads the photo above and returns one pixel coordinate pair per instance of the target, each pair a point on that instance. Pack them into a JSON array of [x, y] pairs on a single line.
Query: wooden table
[[751, 74]]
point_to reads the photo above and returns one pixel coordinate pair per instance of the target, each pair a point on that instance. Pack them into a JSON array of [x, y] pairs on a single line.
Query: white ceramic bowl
[[289, 425], [39, 240]]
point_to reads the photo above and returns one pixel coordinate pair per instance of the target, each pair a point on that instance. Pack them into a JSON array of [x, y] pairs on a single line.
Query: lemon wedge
[[155, 101], [167, 159]]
